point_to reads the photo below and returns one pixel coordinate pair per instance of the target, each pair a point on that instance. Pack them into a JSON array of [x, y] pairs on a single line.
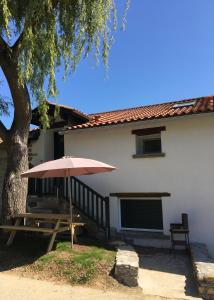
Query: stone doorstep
[[143, 239], [142, 235]]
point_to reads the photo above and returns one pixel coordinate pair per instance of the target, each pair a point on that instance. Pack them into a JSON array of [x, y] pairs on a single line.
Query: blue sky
[[166, 53]]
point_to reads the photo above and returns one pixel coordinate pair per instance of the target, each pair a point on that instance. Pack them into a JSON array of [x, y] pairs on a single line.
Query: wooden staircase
[[89, 202]]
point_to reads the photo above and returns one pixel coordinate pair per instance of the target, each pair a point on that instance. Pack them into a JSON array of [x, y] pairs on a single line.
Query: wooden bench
[[56, 219]]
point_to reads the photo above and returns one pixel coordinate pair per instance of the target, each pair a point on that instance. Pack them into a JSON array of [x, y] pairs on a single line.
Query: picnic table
[[32, 222]]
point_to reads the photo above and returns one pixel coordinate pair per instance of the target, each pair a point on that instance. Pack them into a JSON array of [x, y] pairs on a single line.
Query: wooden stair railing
[[87, 200]]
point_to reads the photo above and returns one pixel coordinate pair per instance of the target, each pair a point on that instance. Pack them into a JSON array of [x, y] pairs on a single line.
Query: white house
[[164, 158], [164, 155]]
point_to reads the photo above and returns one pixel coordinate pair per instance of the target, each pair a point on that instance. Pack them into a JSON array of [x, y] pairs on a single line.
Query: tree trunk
[[15, 139], [15, 188]]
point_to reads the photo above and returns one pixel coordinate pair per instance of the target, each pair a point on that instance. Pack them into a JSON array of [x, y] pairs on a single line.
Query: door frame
[[137, 229]]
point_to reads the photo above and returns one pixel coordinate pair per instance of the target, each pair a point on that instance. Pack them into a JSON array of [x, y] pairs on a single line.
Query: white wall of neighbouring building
[[43, 148], [186, 171]]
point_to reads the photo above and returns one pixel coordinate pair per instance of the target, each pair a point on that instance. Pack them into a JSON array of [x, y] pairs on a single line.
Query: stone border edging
[[203, 266], [127, 265]]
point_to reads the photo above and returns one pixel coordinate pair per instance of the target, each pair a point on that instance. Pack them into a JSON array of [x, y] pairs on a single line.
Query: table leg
[[50, 246], [74, 233], [13, 233]]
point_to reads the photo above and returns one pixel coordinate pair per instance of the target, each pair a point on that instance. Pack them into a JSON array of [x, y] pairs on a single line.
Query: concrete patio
[[165, 274]]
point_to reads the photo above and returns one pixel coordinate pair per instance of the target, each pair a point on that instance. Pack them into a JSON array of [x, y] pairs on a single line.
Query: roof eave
[[135, 121], [73, 111]]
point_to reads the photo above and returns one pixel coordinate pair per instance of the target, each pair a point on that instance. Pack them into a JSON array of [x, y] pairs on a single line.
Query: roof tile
[[148, 112]]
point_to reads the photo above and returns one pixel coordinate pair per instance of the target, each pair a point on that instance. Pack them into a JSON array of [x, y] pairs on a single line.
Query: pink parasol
[[68, 166]]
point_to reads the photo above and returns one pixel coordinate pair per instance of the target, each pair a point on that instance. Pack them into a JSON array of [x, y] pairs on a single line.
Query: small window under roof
[[182, 104]]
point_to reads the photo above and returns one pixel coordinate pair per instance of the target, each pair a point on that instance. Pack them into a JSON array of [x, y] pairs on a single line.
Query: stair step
[[145, 239], [143, 235], [153, 243], [91, 205]]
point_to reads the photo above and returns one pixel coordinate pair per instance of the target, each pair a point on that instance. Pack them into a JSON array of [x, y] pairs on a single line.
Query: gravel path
[[19, 288]]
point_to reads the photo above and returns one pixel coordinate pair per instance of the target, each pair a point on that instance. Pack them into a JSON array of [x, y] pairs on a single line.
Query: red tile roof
[[150, 112]]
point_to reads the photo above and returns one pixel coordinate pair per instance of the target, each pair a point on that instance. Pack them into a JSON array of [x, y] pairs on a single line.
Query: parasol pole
[[70, 202]]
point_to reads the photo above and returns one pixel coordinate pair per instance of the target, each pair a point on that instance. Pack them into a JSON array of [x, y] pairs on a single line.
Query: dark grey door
[[58, 145], [141, 214]]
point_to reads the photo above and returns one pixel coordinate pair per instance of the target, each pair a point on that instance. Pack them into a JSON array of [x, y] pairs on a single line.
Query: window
[[148, 142]]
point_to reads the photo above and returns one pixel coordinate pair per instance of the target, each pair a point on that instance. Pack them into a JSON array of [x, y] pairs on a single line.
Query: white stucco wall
[[43, 148], [187, 170]]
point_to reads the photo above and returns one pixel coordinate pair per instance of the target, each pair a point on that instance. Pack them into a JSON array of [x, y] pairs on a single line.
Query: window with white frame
[[148, 141]]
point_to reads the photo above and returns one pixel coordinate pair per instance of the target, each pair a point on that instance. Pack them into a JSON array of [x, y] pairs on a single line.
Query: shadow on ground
[[24, 251]]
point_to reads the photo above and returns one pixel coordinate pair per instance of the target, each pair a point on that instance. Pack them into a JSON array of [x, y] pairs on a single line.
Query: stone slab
[[203, 265], [127, 266]]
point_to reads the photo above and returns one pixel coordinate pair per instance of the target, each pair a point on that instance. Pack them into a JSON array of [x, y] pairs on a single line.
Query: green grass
[[89, 257], [78, 266], [64, 246]]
